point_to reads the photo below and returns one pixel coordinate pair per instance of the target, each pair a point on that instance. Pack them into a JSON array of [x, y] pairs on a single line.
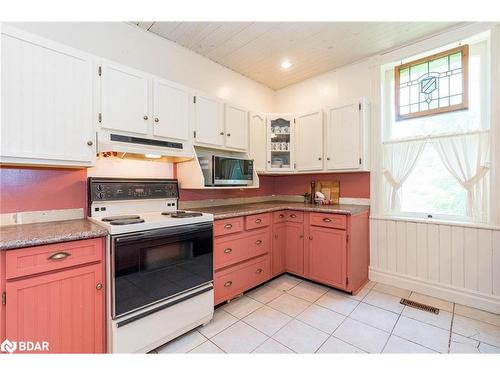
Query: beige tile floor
[[291, 315]]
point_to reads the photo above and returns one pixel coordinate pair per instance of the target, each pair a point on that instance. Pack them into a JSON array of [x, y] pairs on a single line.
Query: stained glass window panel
[[432, 85]]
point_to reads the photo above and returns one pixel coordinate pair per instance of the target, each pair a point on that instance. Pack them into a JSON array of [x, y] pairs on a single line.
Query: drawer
[[235, 280], [328, 220], [236, 248], [228, 226], [257, 221], [295, 216], [279, 217], [34, 260]]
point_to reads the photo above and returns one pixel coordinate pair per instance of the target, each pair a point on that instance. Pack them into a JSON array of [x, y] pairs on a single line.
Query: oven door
[[152, 266], [232, 171]]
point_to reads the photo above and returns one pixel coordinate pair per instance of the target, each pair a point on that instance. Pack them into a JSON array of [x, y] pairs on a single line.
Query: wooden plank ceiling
[[256, 49]]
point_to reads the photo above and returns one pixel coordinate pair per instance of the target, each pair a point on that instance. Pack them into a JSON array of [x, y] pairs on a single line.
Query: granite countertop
[[25, 235], [228, 211]]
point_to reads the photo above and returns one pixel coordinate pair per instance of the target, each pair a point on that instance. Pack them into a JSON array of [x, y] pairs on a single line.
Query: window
[[436, 159], [433, 84]]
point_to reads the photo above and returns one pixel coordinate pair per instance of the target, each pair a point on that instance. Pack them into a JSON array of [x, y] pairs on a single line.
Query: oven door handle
[[154, 234]]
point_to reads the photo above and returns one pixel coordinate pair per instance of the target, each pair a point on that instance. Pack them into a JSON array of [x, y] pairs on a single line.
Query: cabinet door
[[257, 147], [64, 308], [236, 125], [170, 109], [46, 103], [294, 257], [309, 141], [279, 248], [124, 99], [344, 138], [328, 256], [280, 143], [209, 121]]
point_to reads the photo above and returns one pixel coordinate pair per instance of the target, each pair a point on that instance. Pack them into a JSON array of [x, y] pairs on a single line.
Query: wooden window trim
[[465, 83]]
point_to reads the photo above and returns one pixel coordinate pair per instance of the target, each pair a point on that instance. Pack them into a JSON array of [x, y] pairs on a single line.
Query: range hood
[[125, 146]]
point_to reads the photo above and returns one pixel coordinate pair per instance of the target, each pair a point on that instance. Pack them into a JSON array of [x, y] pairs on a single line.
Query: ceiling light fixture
[[286, 64]]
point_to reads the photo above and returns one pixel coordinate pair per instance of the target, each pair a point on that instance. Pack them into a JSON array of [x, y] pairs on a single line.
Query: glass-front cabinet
[[280, 143]]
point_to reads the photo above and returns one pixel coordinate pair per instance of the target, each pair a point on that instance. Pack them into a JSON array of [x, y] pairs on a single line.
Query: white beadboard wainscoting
[[449, 261]]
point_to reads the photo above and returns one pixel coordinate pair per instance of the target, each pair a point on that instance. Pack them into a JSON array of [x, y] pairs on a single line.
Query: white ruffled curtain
[[466, 157], [399, 161]]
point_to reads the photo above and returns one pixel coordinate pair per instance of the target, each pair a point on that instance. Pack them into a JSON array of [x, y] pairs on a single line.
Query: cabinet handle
[[145, 117], [258, 242], [98, 286], [319, 158], [228, 226], [269, 162], [310, 237], [221, 133], [293, 216], [90, 143], [276, 235], [301, 236], [282, 216], [59, 256], [327, 220], [228, 134], [227, 284], [228, 250], [258, 221], [328, 158], [157, 119], [259, 271]]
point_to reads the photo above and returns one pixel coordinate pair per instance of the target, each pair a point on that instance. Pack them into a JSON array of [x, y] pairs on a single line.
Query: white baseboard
[[462, 296]]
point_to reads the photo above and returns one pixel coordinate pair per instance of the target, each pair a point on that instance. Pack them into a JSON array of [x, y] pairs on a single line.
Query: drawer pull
[[258, 221], [327, 220], [293, 216], [259, 271], [258, 242], [59, 256], [227, 284], [98, 286], [228, 250], [228, 226], [282, 216]]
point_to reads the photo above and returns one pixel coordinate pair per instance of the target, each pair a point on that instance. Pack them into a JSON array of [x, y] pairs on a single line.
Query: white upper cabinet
[[124, 99], [309, 141], [170, 110], [236, 127], [47, 108], [280, 143], [257, 144], [347, 136], [208, 123]]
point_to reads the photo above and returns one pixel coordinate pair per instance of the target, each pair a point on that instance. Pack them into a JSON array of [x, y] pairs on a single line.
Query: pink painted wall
[[352, 185], [34, 189]]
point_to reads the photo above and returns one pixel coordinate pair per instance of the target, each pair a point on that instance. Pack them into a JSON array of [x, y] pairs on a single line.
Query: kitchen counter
[[26, 235], [228, 211]]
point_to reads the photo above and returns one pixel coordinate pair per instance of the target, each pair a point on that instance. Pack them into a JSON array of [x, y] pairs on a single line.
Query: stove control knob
[[101, 195], [99, 188]]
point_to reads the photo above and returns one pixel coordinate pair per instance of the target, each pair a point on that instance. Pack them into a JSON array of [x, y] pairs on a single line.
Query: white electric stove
[[159, 262]]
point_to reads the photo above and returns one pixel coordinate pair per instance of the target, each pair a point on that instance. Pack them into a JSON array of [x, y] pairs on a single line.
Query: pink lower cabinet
[[294, 252], [61, 301], [279, 248], [337, 250], [327, 256], [242, 257]]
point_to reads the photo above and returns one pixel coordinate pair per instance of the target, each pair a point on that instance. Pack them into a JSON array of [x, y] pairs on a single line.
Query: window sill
[[435, 221]]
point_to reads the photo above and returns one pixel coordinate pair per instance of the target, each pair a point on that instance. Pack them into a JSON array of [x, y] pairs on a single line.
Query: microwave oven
[[226, 170]]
